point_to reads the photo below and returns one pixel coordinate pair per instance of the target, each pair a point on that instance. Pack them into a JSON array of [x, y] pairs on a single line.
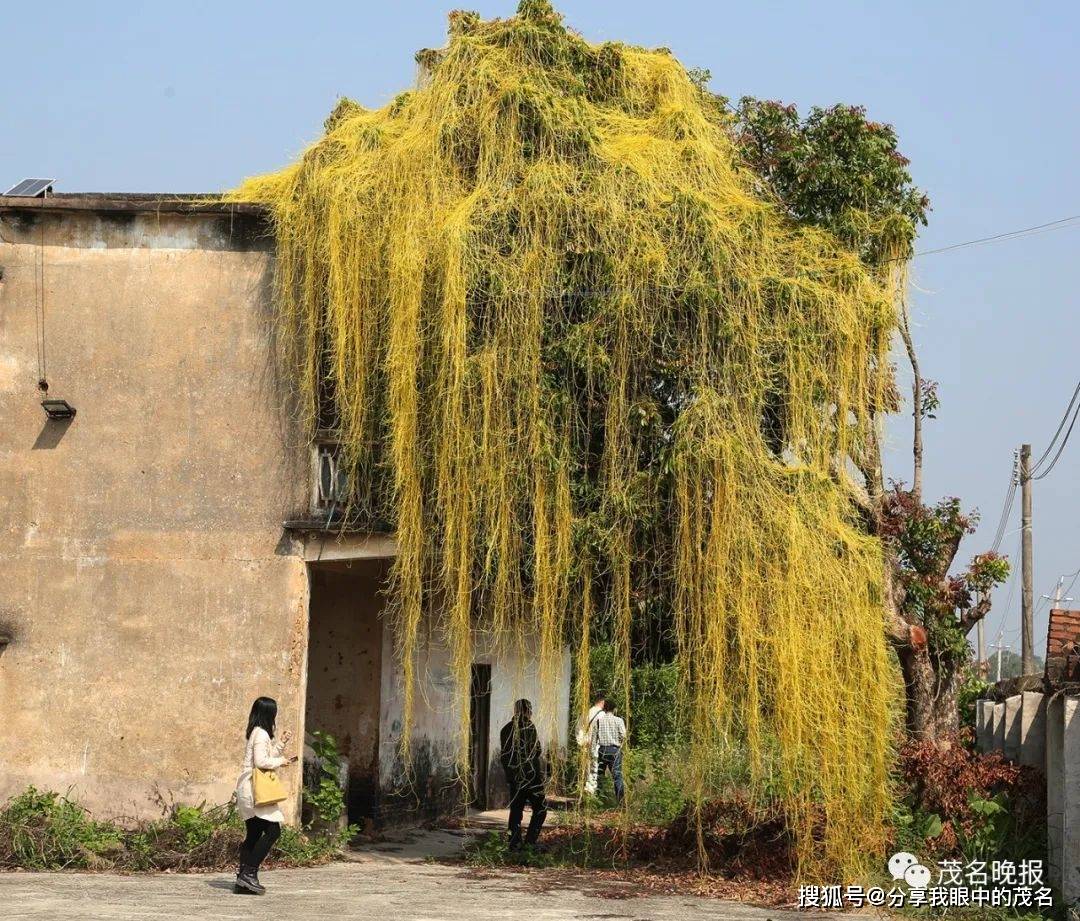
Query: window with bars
[[330, 492]]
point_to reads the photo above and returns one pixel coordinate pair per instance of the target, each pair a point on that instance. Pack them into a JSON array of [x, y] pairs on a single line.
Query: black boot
[[247, 880]]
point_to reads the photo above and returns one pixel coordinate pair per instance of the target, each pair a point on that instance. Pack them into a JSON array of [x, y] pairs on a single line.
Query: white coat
[[262, 752]]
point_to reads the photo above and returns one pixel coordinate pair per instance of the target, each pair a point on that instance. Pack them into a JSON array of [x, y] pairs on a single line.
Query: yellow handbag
[[267, 788]]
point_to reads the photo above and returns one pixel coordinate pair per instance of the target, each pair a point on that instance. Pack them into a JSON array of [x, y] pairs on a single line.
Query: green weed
[[44, 830]]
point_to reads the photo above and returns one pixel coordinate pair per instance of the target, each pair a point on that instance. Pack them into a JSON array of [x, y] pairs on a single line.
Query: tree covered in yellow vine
[[591, 362]]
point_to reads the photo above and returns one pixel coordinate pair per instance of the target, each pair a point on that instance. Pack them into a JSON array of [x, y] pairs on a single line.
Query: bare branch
[[917, 400]]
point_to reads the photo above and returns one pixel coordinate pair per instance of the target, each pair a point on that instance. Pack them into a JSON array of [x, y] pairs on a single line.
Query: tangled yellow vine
[[576, 359]]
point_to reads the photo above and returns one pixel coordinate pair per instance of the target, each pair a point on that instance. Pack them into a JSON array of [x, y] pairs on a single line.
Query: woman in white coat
[[263, 822]]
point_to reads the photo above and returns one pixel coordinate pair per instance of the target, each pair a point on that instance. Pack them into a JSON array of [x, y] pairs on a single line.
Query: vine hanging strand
[[578, 359]]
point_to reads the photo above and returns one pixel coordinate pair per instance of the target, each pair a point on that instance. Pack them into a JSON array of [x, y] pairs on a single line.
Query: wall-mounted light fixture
[[58, 409], [54, 409]]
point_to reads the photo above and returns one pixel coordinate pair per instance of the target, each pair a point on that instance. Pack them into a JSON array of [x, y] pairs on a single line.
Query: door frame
[[479, 734]]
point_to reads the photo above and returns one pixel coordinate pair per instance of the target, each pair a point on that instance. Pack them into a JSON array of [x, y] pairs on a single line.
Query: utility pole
[[999, 646], [1056, 599], [1027, 629]]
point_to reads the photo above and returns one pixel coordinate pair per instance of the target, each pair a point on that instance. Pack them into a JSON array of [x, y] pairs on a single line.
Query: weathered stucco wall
[[146, 582], [515, 674], [436, 740], [143, 572]]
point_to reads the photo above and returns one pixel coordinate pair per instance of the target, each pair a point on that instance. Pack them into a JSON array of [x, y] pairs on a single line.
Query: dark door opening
[[344, 672], [479, 733]]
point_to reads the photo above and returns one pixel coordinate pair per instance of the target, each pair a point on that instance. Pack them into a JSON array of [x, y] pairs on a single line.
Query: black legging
[[261, 836]]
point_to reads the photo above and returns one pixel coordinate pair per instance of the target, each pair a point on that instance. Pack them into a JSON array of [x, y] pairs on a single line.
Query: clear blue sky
[[192, 97]]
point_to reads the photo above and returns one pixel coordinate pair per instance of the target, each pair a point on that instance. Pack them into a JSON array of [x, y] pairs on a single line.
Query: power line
[[1010, 496], [1061, 425], [1068, 588], [1012, 591], [1064, 441], [1075, 576], [1006, 509], [1011, 234]]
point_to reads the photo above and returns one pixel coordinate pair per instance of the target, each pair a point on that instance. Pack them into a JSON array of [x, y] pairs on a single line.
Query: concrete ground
[[392, 880]]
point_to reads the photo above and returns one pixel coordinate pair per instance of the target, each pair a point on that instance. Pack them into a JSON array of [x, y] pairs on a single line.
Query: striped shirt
[[610, 729]]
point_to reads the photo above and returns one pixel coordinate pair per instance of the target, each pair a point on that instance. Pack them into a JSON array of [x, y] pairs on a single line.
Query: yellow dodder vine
[[588, 360]]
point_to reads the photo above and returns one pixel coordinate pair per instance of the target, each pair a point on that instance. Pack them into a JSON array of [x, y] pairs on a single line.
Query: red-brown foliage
[[944, 780], [740, 840]]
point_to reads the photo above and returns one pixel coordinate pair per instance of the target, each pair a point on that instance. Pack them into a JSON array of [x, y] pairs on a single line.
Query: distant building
[[165, 555]]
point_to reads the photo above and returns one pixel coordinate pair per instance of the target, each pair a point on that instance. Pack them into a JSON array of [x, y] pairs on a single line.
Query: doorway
[[479, 734], [344, 675]]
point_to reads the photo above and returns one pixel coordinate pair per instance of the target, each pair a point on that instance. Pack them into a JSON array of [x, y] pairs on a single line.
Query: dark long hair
[[264, 715]]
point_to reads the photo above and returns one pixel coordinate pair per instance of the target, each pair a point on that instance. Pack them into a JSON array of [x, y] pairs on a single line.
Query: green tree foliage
[[1012, 665], [835, 169], [927, 539], [653, 697]]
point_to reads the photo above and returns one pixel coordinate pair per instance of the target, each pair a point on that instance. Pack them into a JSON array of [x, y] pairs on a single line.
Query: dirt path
[[374, 890], [394, 880]]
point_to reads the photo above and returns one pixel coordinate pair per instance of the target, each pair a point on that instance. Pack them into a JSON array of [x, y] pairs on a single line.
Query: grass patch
[[740, 841], [565, 846], [748, 862], [44, 830]]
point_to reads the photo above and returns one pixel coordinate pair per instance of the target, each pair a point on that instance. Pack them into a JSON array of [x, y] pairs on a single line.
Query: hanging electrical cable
[[1064, 441], [39, 312], [1010, 496], [1061, 425], [1012, 593]]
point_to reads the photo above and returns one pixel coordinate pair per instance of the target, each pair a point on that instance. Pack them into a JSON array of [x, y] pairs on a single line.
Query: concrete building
[[162, 555]]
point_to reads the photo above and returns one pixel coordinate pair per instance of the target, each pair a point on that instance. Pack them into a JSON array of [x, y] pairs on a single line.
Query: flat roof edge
[[131, 203]]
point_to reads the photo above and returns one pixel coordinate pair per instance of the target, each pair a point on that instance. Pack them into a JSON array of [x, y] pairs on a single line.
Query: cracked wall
[[143, 570]]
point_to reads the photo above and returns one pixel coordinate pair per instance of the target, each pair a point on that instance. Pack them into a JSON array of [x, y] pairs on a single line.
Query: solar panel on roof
[[30, 188]]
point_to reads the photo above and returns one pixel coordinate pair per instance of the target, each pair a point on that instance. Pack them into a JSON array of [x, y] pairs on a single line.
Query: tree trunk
[[932, 692], [917, 400]]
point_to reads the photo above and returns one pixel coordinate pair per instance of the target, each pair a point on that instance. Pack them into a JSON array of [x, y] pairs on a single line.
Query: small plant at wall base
[[45, 830], [325, 793]]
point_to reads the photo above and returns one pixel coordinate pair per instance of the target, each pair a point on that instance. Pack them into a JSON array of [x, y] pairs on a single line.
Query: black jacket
[[520, 754]]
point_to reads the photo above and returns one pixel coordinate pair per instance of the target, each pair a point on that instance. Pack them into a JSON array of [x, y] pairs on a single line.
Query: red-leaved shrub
[[944, 780]]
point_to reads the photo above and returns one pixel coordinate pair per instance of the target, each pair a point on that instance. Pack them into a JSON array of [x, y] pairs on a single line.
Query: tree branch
[[901, 633], [855, 490], [948, 554], [975, 613], [917, 399]]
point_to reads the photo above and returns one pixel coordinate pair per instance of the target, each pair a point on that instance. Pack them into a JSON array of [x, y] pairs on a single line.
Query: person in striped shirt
[[610, 734]]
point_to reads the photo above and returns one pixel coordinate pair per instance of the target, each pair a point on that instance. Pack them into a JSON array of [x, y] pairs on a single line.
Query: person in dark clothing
[[521, 758]]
